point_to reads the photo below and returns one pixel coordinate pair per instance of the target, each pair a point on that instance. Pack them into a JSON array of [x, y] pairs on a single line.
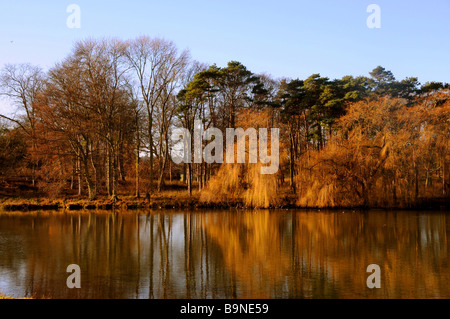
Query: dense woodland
[[99, 123]]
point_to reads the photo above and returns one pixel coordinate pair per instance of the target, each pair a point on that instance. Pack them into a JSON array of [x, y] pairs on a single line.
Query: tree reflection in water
[[225, 254]]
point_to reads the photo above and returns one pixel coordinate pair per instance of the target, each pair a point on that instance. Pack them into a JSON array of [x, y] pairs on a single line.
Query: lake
[[226, 254]]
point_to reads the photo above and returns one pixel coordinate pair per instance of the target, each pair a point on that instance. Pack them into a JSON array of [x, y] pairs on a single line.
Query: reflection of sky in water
[[229, 254], [9, 277], [10, 280]]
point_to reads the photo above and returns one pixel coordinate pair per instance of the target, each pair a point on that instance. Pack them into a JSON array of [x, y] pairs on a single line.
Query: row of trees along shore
[[99, 123]]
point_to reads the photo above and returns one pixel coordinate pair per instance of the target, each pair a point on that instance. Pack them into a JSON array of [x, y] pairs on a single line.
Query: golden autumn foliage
[[244, 183], [384, 154], [346, 142]]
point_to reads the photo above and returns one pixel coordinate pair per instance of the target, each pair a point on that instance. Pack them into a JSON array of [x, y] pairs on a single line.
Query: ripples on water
[[225, 254]]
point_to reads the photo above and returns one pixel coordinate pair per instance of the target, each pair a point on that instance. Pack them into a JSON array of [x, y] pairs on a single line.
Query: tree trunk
[[115, 175], [189, 178], [33, 162], [161, 173], [74, 171], [183, 176], [199, 176], [79, 175], [137, 168], [170, 171], [205, 174], [87, 177], [120, 166], [151, 154], [108, 171], [94, 168], [291, 159], [137, 160]]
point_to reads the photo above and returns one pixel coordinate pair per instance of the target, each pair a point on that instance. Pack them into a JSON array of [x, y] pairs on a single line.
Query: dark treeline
[[100, 123]]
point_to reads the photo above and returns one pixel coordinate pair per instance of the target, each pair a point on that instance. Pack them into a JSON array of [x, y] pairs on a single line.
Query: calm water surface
[[226, 254]]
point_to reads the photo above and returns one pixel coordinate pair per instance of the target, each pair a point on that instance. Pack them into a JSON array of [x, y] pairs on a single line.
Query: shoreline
[[181, 202]]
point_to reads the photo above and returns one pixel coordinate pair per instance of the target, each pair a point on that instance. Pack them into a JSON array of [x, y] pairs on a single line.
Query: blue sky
[[282, 38]]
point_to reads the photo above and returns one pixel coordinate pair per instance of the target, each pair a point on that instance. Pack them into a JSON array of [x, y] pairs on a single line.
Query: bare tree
[[21, 84], [158, 67], [104, 73], [87, 102]]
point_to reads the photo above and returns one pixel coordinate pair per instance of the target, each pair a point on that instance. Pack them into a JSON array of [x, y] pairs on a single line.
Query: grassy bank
[[165, 200], [169, 199]]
